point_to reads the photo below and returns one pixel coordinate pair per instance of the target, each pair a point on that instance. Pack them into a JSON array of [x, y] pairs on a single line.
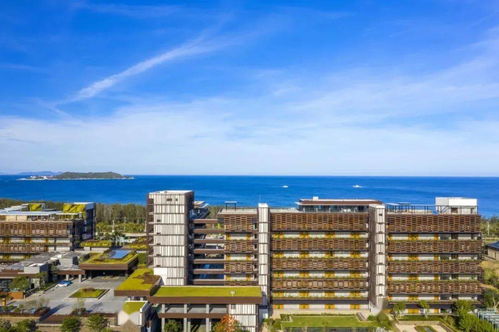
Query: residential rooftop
[[141, 279], [208, 291]]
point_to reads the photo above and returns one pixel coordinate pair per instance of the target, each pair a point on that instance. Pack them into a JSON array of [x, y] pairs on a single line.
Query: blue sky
[[256, 87]]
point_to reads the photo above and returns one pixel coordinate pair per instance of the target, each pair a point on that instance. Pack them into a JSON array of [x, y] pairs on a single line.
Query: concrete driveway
[[61, 303]]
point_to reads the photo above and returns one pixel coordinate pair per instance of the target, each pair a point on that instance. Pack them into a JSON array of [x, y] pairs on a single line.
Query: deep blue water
[[249, 190]]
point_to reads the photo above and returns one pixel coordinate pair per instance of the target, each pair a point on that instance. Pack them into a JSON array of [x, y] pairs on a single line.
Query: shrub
[[71, 324]]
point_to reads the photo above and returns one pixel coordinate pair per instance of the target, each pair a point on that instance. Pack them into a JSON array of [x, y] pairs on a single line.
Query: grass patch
[[88, 293], [325, 321], [141, 279], [97, 243], [201, 291], [132, 306], [421, 317], [104, 258]]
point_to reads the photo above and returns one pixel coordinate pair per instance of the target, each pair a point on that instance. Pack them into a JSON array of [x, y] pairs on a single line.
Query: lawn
[[326, 321], [97, 243], [88, 293], [492, 266], [105, 259], [132, 306], [202, 291], [140, 279]]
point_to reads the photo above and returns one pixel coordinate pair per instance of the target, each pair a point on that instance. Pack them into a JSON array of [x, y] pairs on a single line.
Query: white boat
[[357, 186], [285, 186]]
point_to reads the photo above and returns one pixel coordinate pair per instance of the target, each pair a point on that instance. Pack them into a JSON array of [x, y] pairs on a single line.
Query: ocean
[[249, 190]]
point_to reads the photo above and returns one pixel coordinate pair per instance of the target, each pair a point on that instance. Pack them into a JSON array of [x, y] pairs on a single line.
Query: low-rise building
[[493, 250], [30, 229]]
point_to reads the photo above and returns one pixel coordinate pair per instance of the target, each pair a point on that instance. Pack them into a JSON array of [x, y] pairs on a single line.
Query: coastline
[[77, 179]]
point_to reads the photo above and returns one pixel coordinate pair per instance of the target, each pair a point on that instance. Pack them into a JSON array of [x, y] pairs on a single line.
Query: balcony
[[240, 246], [434, 287], [319, 264], [319, 284], [239, 267], [319, 222], [431, 223], [319, 244], [434, 246], [22, 248], [434, 267]]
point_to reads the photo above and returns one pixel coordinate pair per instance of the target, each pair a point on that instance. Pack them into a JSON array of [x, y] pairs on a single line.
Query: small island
[[80, 176]]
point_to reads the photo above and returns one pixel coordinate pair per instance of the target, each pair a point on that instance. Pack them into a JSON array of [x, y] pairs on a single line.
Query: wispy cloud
[[135, 11], [23, 67], [196, 47]]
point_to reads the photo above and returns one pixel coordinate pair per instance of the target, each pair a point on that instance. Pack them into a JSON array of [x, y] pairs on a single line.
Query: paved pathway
[[61, 303]]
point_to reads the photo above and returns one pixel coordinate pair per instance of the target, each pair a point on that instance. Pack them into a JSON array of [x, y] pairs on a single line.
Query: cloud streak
[[196, 47]]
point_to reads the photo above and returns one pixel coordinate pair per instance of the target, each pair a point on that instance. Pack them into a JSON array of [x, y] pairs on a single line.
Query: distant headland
[[79, 176]]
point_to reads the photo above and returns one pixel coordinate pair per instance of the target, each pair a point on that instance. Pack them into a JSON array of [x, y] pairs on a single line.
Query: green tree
[[5, 325], [97, 322], [27, 325], [462, 307], [20, 284], [71, 324], [424, 306], [491, 298], [172, 325], [384, 321], [467, 322], [397, 309]]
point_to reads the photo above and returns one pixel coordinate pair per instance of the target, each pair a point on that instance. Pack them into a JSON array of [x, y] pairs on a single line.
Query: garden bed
[[88, 293], [340, 321]]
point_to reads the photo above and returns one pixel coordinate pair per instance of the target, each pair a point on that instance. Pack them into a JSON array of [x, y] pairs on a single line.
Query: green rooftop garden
[[140, 279], [104, 258], [97, 243], [88, 293], [325, 321], [132, 306], [212, 291]]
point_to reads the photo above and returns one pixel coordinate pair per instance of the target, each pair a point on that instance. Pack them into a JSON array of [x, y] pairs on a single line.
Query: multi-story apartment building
[[324, 255], [433, 253], [30, 229]]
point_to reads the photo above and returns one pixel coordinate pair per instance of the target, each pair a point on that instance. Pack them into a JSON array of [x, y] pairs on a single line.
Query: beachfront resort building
[[31, 228], [324, 255]]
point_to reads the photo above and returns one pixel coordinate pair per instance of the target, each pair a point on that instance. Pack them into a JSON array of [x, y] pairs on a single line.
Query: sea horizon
[[248, 190]]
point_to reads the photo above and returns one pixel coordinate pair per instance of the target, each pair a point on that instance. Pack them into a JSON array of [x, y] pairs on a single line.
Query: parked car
[[64, 283]]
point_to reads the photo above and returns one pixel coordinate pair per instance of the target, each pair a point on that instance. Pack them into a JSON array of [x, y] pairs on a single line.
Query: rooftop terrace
[[212, 291], [141, 279]]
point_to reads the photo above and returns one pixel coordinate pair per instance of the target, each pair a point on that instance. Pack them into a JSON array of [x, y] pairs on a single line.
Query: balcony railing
[[429, 209]]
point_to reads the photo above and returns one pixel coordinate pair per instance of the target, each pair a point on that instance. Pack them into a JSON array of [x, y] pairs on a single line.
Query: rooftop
[[108, 257], [493, 245], [238, 210], [211, 291], [328, 201], [141, 279], [39, 210], [133, 306], [171, 192]]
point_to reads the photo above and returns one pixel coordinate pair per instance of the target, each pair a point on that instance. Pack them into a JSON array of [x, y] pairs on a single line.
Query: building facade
[[30, 229], [324, 255]]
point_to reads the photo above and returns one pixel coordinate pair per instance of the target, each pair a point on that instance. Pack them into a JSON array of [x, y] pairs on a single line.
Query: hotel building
[[324, 255], [30, 229]]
